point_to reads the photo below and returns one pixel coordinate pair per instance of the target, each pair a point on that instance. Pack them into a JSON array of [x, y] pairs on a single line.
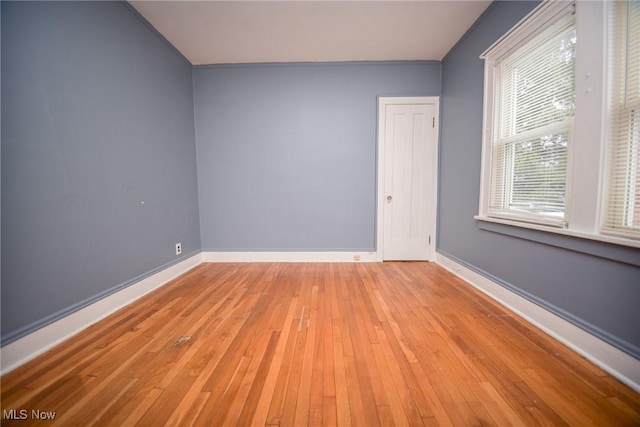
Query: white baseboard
[[28, 347], [290, 256], [621, 365]]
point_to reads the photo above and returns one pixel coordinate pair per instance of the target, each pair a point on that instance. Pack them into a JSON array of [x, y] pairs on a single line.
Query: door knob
[[389, 198]]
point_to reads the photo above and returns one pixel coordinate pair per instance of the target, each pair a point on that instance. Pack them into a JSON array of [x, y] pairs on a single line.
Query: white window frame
[[586, 155]]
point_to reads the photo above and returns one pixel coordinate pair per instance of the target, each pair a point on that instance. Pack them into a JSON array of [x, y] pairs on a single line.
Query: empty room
[[320, 213]]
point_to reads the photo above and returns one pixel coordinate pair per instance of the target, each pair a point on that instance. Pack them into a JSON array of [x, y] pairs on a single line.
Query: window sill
[[608, 247]]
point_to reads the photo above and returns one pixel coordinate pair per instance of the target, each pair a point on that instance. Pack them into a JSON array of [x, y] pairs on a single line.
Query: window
[[622, 189], [533, 109], [561, 141]]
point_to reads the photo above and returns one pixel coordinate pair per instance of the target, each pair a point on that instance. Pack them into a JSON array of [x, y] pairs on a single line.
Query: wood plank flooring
[[315, 344]]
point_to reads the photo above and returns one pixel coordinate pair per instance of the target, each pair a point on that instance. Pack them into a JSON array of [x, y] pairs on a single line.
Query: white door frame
[[382, 104]]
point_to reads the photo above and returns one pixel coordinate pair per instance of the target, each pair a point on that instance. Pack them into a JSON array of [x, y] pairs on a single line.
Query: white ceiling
[[219, 32]]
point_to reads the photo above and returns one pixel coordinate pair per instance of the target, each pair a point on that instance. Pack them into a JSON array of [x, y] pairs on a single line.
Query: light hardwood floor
[[316, 344]]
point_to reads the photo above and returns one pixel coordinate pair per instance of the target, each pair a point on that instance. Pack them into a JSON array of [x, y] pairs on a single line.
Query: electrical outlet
[[178, 248], [356, 258]]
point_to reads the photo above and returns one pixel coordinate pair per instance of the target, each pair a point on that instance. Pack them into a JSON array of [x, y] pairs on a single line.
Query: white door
[[408, 147]]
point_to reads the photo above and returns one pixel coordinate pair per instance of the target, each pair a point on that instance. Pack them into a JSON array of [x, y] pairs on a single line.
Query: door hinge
[[429, 238], [433, 122]]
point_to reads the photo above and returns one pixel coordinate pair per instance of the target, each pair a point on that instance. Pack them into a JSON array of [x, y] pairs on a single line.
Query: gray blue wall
[[594, 285], [287, 153], [97, 115]]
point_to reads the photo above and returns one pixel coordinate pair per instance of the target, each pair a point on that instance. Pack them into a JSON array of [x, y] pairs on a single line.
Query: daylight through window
[[534, 103], [561, 130]]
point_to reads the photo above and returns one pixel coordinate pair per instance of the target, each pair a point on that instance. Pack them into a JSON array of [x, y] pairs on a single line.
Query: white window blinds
[[621, 213], [534, 102]]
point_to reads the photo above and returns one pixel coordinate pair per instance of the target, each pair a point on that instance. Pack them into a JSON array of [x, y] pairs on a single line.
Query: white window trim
[[585, 166]]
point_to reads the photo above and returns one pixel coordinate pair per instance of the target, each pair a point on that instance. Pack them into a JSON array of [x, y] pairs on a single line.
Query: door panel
[[408, 187]]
